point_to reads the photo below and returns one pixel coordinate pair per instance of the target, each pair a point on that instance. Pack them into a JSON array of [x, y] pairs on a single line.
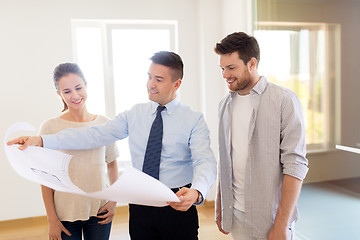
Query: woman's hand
[[55, 229], [109, 211]]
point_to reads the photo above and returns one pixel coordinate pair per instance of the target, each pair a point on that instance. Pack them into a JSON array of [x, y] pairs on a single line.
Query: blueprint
[[133, 186]]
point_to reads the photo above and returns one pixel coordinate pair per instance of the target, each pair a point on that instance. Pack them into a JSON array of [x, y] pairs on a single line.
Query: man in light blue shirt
[[186, 161]]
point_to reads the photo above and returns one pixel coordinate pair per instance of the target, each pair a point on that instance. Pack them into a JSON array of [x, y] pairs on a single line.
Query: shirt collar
[[259, 88], [170, 107]]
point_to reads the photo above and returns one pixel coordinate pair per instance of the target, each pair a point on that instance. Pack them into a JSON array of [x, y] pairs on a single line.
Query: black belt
[[178, 188]]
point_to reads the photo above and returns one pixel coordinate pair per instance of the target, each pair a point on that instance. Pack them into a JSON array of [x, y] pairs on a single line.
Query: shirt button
[[230, 207]]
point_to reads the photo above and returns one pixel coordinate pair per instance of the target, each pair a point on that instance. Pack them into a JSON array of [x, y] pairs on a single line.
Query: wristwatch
[[199, 199]]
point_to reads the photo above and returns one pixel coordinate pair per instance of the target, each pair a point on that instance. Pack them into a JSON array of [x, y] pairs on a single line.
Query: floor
[[328, 211], [208, 229], [37, 229]]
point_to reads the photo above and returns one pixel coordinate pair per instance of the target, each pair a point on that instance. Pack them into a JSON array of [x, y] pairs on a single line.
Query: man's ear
[[177, 84], [252, 64]]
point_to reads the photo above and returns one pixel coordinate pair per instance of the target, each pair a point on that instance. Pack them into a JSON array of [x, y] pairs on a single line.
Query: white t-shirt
[[241, 114], [87, 170]]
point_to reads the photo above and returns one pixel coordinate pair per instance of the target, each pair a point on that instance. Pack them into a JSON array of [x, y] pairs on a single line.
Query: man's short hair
[[246, 46], [171, 60]]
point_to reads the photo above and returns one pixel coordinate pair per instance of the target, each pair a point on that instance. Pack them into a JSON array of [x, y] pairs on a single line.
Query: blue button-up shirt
[[186, 156]]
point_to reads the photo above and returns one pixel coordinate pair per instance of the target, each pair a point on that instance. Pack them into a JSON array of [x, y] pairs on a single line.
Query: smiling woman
[[70, 84], [69, 214]]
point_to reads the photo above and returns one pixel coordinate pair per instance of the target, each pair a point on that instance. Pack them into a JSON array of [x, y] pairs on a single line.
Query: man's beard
[[246, 81]]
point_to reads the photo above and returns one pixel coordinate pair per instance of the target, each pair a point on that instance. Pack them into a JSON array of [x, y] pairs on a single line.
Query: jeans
[[91, 229]]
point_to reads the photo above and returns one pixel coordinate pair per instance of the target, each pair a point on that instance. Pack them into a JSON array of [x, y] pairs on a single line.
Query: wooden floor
[[37, 228], [329, 211]]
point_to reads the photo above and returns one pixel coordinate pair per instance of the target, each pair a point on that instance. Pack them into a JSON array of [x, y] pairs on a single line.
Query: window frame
[[106, 27], [331, 97]]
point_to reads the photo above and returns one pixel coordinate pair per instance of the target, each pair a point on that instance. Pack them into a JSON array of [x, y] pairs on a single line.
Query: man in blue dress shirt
[[187, 163]]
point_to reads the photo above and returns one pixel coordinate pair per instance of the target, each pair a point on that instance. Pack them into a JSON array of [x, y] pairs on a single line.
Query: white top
[[241, 115], [87, 170]]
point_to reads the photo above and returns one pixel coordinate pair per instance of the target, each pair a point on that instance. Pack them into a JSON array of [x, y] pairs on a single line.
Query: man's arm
[[204, 167], [292, 139], [79, 138], [294, 163], [290, 191], [203, 158]]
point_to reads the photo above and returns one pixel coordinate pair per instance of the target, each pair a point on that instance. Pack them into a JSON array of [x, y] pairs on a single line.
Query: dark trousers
[[91, 229], [162, 223]]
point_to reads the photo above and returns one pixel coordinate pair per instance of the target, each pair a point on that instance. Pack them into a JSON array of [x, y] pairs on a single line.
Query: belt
[[178, 188]]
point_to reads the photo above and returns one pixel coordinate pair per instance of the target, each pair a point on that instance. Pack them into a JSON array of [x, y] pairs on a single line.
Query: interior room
[[309, 46]]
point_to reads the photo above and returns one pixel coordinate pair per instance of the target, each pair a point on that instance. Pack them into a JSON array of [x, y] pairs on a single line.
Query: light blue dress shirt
[[186, 156]]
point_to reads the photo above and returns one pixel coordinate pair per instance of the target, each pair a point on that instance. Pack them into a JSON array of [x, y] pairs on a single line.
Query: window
[[305, 58], [114, 56]]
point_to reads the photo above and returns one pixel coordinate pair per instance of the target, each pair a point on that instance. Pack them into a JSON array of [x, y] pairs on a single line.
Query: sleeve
[[292, 139], [202, 157], [89, 137], [111, 153]]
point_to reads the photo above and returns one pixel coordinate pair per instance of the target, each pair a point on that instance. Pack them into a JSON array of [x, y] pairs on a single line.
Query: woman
[[71, 215]]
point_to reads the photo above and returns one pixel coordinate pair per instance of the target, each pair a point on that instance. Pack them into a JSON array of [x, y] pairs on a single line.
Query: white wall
[[36, 36], [217, 18]]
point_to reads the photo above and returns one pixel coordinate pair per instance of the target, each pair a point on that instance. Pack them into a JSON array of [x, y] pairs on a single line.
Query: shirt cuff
[[201, 191], [202, 200], [296, 170]]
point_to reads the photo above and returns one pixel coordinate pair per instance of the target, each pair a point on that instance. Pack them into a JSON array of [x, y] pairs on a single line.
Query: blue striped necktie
[[151, 164]]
